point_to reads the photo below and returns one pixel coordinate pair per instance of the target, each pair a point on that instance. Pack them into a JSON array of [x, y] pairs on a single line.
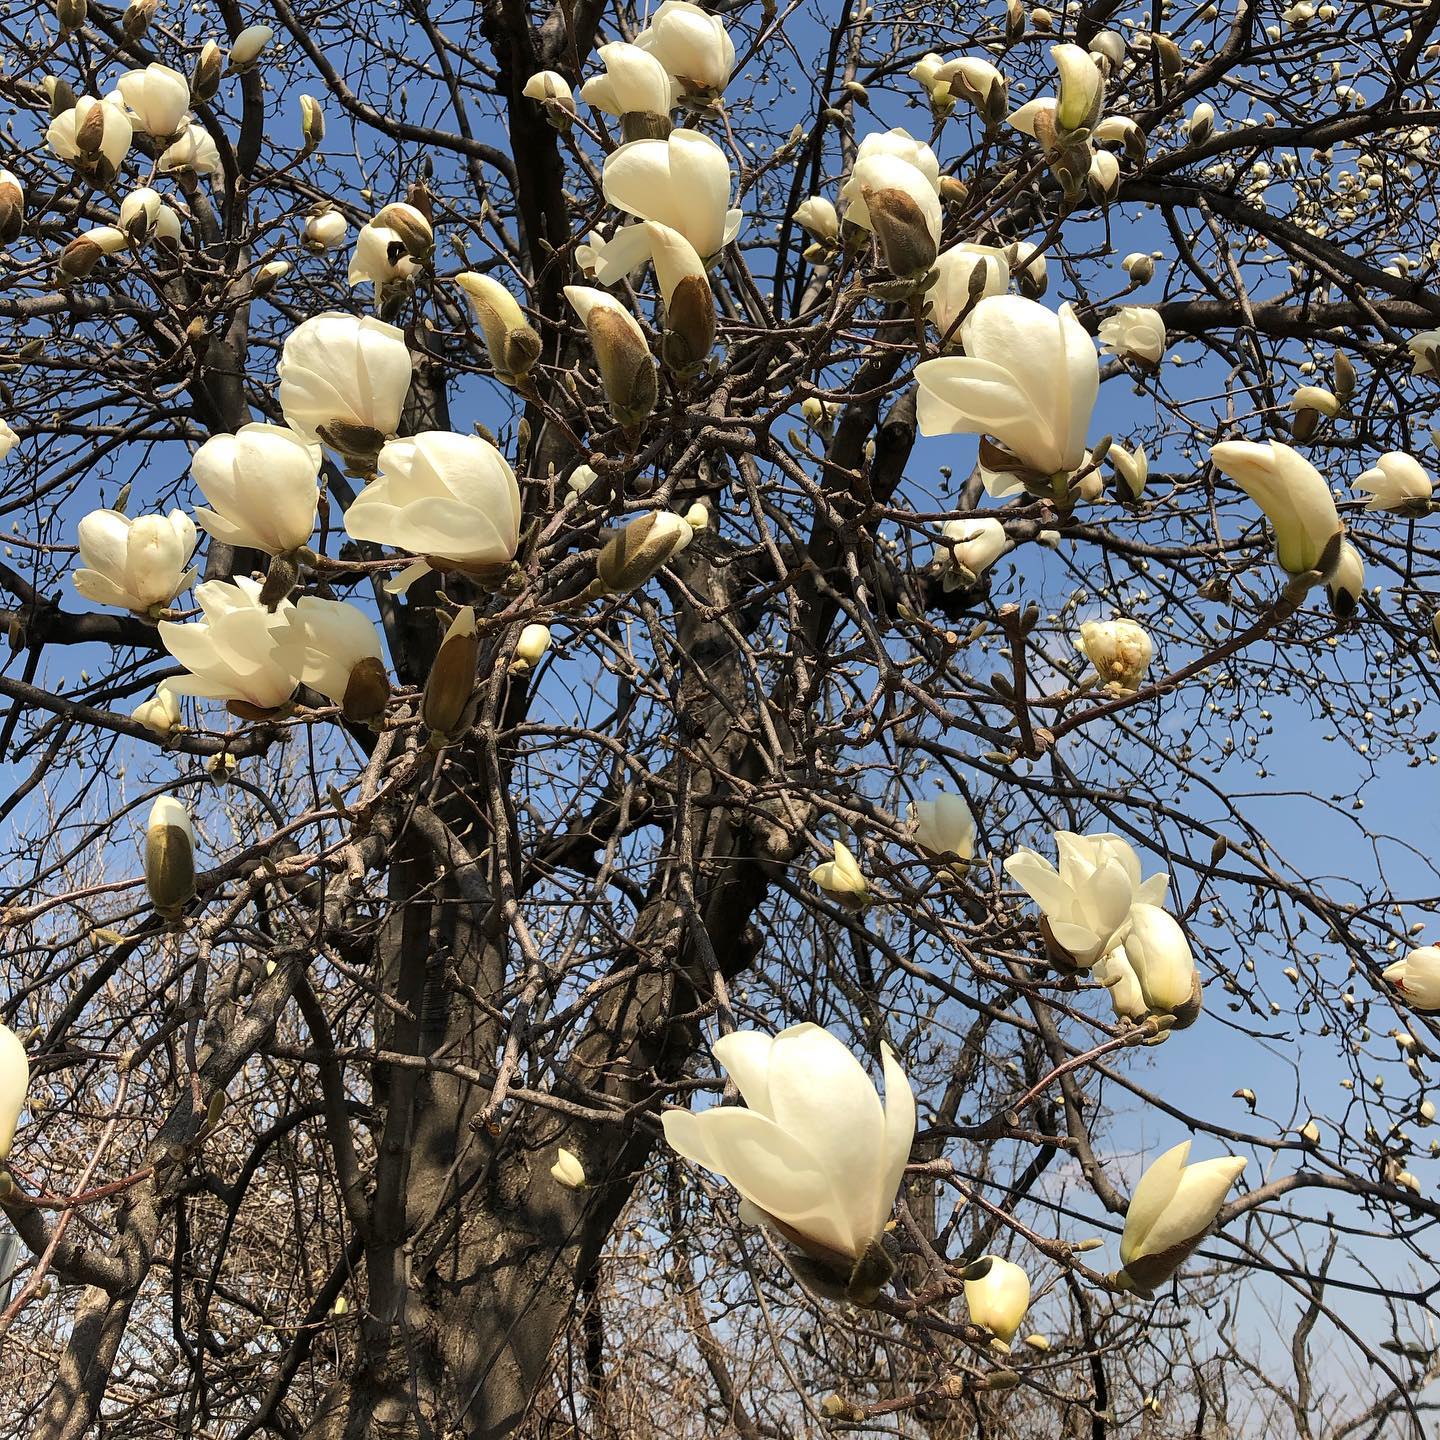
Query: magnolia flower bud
[[1081, 88], [1290, 491], [903, 211], [1172, 1208], [71, 15], [945, 828], [689, 304], [412, 227], [247, 47], [312, 121], [553, 92], [1131, 467], [1397, 483], [85, 251], [534, 641], [999, 1299], [1110, 44], [325, 231], [160, 713], [841, 879], [637, 551], [510, 339], [137, 17], [140, 214], [205, 82], [818, 215], [1139, 266], [1200, 124], [1313, 397], [1159, 954], [567, 1169], [1120, 651], [626, 369], [1103, 177], [1136, 332], [169, 857], [93, 135], [1346, 582], [692, 45], [14, 1082], [449, 702], [12, 207]]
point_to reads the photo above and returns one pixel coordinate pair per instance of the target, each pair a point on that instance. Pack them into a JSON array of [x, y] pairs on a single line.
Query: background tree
[[286, 1166]]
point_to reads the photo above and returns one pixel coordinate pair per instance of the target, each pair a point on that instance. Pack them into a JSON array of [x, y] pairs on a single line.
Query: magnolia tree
[[690, 707]]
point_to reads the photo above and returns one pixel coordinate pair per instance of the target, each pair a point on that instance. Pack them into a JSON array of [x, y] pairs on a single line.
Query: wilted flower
[[159, 98], [343, 659], [1398, 482], [1086, 902], [1172, 1208], [139, 565], [512, 342], [1417, 977], [449, 498], [969, 545], [241, 652], [1291, 492], [999, 1299], [692, 45], [343, 381], [169, 857], [14, 1082], [1135, 331], [94, 135], [815, 1153], [1120, 651], [1028, 377], [944, 826], [263, 484], [194, 151], [842, 879]]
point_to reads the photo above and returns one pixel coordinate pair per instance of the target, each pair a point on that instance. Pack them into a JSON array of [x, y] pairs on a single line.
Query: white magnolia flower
[[139, 565], [194, 150], [1397, 482], [971, 544], [14, 1082], [813, 1151], [449, 498], [550, 88], [818, 215], [1417, 977], [1120, 651], [263, 482], [944, 826], [1158, 952], [896, 201], [240, 652], [379, 259], [1291, 492], [1131, 466], [900, 143], [1081, 88], [1028, 377], [161, 712], [169, 857], [842, 879], [530, 648], [964, 274], [8, 439], [1136, 331], [1087, 901], [1117, 975], [248, 45], [978, 81], [1424, 347], [1172, 1207], [634, 82], [343, 380], [326, 231], [340, 640], [91, 132], [692, 45], [567, 1169], [999, 1299], [158, 97]]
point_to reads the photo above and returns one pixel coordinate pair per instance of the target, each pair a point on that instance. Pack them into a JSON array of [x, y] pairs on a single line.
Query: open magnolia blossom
[[842, 879], [449, 498], [1397, 482], [1120, 651], [683, 182], [14, 1082], [1292, 493], [814, 1152], [343, 659], [1160, 957], [635, 82], [1086, 902], [263, 482], [379, 259], [1172, 1208], [241, 653], [169, 857], [944, 826], [964, 275], [1028, 378], [93, 135], [692, 45], [139, 565], [1134, 331], [1417, 977], [999, 1299], [160, 714], [343, 381], [194, 151], [158, 98], [968, 548]]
